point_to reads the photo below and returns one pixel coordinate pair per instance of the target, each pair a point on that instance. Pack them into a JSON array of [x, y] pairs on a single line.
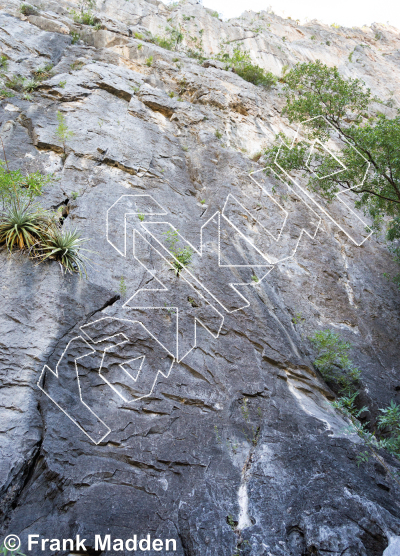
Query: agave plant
[[64, 246], [22, 226]]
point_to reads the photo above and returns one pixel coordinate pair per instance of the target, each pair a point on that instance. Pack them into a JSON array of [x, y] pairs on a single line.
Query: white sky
[[343, 12]]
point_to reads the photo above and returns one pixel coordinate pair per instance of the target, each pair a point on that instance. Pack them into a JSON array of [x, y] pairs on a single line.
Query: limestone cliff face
[[187, 406]]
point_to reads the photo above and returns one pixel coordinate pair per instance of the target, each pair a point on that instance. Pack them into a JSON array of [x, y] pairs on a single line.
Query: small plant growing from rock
[[77, 65], [43, 72], [27, 9], [7, 552], [202, 201], [217, 436], [285, 69], [256, 156], [62, 84], [254, 278], [74, 195], [6, 94], [3, 63], [218, 134], [298, 318], [62, 132], [183, 255], [22, 225], [141, 217], [149, 61], [75, 37], [245, 409], [122, 287], [30, 85], [65, 247]]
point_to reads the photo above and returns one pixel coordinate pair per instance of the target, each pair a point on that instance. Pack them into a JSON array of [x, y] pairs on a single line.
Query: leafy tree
[[366, 142]]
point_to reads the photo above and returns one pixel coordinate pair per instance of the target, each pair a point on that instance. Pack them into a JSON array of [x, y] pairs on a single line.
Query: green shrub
[[173, 37], [6, 94], [390, 421], [75, 37], [43, 72], [196, 54], [62, 132], [242, 64], [333, 360], [27, 9], [15, 83], [85, 18], [335, 366], [183, 255], [14, 185], [256, 75], [77, 65], [164, 42], [149, 61], [4, 63]]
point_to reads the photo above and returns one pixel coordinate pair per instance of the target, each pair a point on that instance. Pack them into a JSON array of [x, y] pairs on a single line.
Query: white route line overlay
[[337, 195], [218, 214], [92, 351], [164, 288]]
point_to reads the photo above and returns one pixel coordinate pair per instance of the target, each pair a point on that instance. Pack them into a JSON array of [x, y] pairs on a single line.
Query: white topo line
[[188, 275]]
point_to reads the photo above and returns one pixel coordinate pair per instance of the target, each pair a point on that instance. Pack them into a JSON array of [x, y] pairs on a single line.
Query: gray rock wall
[[187, 407]]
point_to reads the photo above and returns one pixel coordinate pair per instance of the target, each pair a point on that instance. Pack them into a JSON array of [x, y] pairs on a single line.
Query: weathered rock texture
[[235, 449]]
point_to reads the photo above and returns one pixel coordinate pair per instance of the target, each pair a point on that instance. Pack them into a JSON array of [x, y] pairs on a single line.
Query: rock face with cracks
[[182, 402]]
